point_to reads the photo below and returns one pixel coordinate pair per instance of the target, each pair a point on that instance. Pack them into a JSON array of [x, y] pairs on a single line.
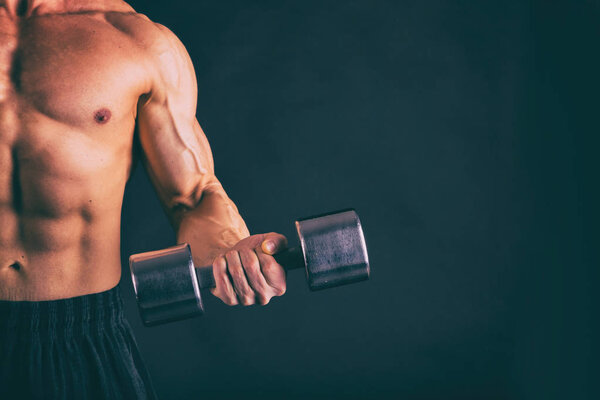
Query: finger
[[262, 290], [223, 289], [273, 243], [273, 273], [245, 294]]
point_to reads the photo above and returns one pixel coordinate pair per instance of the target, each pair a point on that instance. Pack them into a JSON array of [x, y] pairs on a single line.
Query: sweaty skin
[[78, 78]]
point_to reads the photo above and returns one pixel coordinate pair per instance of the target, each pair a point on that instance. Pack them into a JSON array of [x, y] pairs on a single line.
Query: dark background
[[465, 135]]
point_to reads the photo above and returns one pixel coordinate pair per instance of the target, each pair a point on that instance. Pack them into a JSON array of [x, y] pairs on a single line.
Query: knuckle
[[262, 292], [232, 297], [279, 290], [263, 300], [219, 263], [231, 254], [247, 300], [275, 236], [230, 301], [278, 237]]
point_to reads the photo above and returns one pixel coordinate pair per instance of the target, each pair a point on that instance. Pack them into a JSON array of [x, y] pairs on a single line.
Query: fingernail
[[269, 246]]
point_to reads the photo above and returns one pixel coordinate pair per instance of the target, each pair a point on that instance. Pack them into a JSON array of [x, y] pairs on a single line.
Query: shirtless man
[[77, 79]]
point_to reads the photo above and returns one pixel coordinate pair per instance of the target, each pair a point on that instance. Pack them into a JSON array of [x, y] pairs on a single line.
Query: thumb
[[273, 243]]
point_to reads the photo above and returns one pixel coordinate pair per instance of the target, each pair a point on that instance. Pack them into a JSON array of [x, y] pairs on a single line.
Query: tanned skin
[[77, 79]]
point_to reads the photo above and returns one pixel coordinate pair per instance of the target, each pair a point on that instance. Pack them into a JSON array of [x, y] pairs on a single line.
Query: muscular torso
[[70, 84]]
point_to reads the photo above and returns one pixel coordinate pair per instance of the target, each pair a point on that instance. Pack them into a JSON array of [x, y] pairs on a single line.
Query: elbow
[[188, 195], [179, 203], [184, 197]]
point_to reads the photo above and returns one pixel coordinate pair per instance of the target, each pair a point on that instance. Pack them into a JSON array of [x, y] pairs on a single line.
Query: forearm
[[211, 226]]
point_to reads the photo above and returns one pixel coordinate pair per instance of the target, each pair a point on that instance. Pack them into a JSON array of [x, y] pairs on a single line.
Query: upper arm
[[176, 152]]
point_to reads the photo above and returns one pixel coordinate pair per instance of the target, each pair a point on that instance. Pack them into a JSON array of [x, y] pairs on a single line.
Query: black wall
[[464, 133]]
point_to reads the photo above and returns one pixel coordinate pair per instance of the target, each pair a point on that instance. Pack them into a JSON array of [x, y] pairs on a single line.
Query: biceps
[[176, 154]]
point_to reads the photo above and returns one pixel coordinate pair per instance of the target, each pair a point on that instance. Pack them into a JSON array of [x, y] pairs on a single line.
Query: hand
[[248, 273]]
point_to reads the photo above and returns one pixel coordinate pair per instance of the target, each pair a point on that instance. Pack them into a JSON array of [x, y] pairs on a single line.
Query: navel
[[102, 115], [15, 266]]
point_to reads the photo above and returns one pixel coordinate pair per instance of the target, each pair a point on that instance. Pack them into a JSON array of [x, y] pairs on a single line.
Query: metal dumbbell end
[[332, 251]]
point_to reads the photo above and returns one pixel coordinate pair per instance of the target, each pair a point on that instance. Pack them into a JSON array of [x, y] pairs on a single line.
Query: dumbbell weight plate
[[334, 248], [165, 285]]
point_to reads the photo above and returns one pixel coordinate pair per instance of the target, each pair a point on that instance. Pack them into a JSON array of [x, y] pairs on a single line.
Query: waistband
[[72, 313]]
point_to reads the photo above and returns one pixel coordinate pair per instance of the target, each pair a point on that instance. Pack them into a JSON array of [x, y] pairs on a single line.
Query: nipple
[[102, 115]]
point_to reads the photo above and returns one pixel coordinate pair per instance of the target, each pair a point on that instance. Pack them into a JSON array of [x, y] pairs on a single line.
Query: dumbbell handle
[[290, 258]]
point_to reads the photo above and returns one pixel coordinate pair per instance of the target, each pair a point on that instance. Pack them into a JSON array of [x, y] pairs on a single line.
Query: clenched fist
[[247, 273]]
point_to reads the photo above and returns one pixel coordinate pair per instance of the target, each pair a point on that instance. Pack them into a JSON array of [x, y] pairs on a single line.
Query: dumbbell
[[332, 251]]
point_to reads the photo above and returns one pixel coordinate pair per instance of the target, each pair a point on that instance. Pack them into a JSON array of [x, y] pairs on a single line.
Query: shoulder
[[171, 73], [163, 49], [138, 27], [153, 37]]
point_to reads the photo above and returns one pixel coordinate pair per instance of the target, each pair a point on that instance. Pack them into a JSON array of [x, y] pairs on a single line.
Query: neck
[[16, 7], [23, 8], [26, 8]]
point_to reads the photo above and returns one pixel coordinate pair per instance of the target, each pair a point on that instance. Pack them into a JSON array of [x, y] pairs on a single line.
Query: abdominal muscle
[[55, 258]]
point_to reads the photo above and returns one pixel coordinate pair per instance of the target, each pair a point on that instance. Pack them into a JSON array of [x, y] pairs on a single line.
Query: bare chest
[[69, 87], [74, 69]]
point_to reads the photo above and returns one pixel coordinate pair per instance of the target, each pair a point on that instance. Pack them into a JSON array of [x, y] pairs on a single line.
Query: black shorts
[[77, 348]]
